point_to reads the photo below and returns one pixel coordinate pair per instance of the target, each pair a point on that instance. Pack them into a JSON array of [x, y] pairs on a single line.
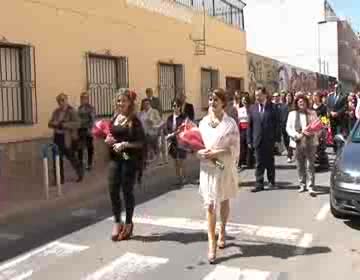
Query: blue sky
[[348, 8]]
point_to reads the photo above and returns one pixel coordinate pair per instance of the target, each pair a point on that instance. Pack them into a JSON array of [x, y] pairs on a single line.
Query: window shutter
[[179, 80], [214, 79], [28, 75], [122, 72]]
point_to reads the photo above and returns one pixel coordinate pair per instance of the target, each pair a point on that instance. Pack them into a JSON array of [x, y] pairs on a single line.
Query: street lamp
[[319, 50]]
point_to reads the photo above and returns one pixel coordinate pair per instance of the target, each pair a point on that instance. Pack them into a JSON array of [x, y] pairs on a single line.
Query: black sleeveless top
[[131, 134]]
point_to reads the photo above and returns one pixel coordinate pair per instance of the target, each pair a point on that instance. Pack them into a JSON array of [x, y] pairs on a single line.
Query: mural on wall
[[278, 76]]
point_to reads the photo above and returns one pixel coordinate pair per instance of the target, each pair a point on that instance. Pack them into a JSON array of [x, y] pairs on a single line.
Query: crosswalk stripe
[[276, 233], [129, 263], [234, 273], [24, 266]]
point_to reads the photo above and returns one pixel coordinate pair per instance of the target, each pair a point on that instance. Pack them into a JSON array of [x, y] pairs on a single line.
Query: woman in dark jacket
[[172, 124], [126, 144], [321, 111]]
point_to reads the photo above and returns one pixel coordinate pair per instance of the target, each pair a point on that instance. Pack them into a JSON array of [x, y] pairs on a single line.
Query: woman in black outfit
[[321, 111], [172, 124], [126, 144]]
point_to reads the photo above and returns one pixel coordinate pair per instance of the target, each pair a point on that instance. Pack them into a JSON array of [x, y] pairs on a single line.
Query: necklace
[[214, 121]]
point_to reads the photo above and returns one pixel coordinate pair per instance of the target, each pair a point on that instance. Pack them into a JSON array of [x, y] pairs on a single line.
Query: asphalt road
[[272, 235]]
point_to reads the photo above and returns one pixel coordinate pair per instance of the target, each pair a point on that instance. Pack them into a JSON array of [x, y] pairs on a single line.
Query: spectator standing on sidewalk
[[321, 111], [304, 142], [173, 122], [285, 108], [276, 99], [65, 122], [351, 111], [151, 120], [126, 144], [187, 108], [264, 132], [246, 154], [220, 134], [336, 111], [87, 117], [154, 101]]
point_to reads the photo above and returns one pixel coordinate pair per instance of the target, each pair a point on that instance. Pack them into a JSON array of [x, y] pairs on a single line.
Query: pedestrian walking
[[177, 153], [65, 122], [154, 101], [87, 117], [304, 142], [220, 135], [126, 143], [263, 133]]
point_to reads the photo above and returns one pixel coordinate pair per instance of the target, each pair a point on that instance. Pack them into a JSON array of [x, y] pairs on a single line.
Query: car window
[[355, 137]]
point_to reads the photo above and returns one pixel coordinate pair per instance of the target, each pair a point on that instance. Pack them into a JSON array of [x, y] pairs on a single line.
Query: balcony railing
[[230, 11]]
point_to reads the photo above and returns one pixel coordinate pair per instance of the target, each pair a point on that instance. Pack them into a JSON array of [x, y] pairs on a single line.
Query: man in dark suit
[[263, 133], [154, 101], [187, 108], [336, 106]]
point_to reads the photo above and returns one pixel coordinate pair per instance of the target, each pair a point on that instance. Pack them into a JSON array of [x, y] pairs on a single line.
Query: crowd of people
[[239, 130]]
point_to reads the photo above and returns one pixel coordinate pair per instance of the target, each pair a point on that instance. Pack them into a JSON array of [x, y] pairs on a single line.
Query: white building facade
[[301, 33]]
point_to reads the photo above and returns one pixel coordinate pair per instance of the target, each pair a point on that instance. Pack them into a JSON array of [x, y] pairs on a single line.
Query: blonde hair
[[129, 95]]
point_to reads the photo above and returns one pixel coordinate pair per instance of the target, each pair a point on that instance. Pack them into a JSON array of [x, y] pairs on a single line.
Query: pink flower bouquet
[[189, 137]]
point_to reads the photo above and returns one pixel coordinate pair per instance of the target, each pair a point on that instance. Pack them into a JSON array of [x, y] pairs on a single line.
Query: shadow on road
[[243, 248], [285, 167], [282, 185], [275, 250]]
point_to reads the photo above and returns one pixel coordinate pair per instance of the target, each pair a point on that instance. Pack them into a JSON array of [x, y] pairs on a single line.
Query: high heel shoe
[[212, 253], [221, 240], [126, 233], [114, 236]]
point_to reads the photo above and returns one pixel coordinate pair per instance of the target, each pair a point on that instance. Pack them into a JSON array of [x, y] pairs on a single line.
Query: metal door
[[167, 90]]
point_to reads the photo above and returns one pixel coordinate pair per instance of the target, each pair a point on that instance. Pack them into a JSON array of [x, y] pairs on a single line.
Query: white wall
[[287, 30], [329, 48]]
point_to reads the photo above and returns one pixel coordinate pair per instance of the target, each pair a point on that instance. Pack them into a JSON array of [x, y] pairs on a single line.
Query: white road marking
[[304, 244], [129, 263], [10, 236], [276, 233], [323, 212], [233, 273], [24, 266]]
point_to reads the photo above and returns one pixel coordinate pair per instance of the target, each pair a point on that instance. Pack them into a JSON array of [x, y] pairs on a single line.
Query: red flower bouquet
[[189, 138], [101, 129], [315, 126]]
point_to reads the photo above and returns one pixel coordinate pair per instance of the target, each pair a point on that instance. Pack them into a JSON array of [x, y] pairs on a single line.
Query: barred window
[[209, 81], [18, 104], [105, 75], [171, 84]]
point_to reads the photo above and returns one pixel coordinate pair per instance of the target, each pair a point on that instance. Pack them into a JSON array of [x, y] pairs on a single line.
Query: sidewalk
[[20, 194]]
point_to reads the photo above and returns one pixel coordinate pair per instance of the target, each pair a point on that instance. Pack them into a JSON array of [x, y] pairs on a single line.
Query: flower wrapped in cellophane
[[189, 138]]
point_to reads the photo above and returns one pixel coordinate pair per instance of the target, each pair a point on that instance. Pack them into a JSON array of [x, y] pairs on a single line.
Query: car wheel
[[336, 213]]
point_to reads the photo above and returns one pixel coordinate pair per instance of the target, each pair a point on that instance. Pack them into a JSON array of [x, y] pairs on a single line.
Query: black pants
[[122, 174], [286, 138], [69, 153], [246, 154], [265, 160], [86, 142]]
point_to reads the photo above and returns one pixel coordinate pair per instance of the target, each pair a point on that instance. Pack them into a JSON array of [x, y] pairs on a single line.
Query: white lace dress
[[217, 185]]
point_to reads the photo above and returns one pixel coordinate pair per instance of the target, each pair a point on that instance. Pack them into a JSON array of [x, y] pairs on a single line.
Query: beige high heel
[[222, 239], [212, 252]]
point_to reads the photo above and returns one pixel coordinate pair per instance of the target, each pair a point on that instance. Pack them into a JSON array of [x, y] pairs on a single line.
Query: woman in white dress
[[221, 137]]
